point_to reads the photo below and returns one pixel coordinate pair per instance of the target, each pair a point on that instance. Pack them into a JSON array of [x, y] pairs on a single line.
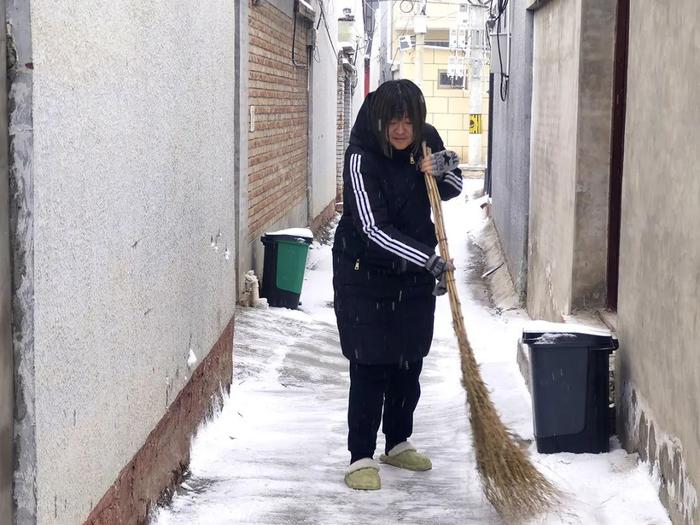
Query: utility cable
[[495, 18], [294, 37], [398, 48], [325, 23]]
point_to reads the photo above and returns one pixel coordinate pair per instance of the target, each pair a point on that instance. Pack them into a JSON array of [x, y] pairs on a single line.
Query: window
[[447, 82], [477, 39]]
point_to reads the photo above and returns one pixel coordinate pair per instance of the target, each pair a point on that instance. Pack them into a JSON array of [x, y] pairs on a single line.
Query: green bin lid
[[292, 234]]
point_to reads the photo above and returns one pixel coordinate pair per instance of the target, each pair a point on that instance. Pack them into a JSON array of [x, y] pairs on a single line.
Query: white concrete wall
[[358, 96], [658, 309], [323, 115], [133, 173], [387, 19], [377, 54]]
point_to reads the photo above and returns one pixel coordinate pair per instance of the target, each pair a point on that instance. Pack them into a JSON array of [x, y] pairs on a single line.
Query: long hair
[[396, 99]]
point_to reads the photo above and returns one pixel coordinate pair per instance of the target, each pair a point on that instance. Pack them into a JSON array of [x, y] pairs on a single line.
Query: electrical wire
[[495, 18], [439, 2], [325, 23], [294, 38], [365, 2], [501, 4], [380, 22], [398, 48], [370, 39]]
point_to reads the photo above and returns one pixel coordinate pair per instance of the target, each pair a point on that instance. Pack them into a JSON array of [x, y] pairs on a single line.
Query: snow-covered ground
[[276, 451]]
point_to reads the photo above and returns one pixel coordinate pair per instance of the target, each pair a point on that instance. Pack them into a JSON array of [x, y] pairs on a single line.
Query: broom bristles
[[515, 488], [512, 484]]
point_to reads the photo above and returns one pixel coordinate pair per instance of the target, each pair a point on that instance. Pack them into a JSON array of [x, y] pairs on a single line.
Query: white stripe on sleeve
[[454, 180], [367, 218]]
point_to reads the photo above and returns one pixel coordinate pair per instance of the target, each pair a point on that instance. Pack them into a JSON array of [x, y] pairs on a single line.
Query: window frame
[[440, 85]]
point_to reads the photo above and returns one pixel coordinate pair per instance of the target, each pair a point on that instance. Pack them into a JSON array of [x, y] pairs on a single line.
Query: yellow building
[[449, 99]]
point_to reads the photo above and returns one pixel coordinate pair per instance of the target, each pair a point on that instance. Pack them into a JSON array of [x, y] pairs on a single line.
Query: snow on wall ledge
[[663, 454]]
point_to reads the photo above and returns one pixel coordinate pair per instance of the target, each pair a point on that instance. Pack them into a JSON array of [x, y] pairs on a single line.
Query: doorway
[[617, 149]]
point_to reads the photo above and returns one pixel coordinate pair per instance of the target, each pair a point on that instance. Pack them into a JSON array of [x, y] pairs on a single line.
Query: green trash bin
[[284, 265]]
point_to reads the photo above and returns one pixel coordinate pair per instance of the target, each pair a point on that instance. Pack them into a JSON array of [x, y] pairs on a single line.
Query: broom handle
[[436, 205]]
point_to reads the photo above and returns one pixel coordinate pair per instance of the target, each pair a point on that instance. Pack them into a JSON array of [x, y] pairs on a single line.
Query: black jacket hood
[[364, 137], [362, 134]]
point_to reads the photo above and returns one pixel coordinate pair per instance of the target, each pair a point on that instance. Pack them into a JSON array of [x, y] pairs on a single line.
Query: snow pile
[[191, 358]]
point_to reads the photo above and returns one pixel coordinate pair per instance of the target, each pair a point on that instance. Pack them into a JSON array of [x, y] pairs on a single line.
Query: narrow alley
[[275, 453], [157, 157]]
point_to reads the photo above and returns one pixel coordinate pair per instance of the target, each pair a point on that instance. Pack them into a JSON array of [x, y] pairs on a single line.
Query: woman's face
[[400, 133]]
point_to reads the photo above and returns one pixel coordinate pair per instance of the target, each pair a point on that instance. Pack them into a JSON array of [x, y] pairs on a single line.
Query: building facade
[[570, 156], [658, 313], [509, 167], [453, 96], [147, 149], [611, 208]]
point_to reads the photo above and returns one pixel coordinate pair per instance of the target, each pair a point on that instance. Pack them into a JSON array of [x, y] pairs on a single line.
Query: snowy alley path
[[276, 452]]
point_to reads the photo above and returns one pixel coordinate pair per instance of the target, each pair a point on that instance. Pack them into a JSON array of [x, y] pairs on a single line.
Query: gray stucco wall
[[134, 225], [570, 155], [6, 361], [510, 162], [659, 317], [556, 49], [323, 110]]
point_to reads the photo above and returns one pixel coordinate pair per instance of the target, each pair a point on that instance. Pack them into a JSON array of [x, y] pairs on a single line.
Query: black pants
[[395, 388]]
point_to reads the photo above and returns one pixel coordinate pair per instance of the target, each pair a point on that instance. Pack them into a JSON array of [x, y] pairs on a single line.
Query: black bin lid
[[539, 333]]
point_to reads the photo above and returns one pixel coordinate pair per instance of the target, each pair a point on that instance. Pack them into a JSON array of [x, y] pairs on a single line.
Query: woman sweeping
[[384, 273]]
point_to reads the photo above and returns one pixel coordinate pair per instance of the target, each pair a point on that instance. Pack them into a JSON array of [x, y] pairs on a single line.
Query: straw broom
[[515, 488]]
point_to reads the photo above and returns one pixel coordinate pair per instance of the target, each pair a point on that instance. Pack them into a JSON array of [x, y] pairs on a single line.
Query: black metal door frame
[[617, 149]]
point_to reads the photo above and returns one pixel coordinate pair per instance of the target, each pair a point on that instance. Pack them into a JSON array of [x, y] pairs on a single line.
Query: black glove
[[438, 267], [442, 162]]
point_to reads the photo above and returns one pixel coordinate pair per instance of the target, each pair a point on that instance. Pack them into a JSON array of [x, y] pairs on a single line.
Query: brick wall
[[278, 148], [340, 143], [345, 92], [348, 120]]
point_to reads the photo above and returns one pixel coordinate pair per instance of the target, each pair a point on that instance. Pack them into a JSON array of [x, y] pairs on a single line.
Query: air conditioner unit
[[405, 42], [346, 30]]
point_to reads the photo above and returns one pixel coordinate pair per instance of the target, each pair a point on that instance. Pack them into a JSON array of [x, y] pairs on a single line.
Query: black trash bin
[[284, 265], [570, 386]]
